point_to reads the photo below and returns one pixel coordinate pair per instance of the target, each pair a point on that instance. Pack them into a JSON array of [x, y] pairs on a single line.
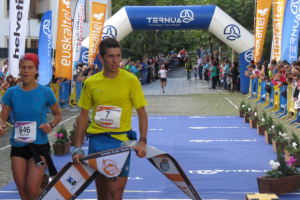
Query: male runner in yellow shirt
[[112, 94]]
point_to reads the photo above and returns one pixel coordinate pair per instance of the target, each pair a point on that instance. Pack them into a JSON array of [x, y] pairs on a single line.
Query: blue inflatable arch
[[210, 18]]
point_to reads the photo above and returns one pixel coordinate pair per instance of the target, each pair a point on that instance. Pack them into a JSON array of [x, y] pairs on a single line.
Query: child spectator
[[228, 81], [195, 73]]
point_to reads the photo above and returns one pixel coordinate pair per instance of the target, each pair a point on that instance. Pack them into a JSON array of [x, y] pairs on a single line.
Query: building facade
[[37, 8]]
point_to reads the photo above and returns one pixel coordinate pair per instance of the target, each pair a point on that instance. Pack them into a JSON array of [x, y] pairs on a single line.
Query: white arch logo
[[46, 27], [188, 16], [85, 57], [233, 32], [109, 31], [249, 55]]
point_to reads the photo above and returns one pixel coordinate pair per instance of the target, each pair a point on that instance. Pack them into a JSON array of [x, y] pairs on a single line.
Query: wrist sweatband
[[77, 150]]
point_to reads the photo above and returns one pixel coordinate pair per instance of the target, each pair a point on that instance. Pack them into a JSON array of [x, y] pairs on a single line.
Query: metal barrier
[[276, 99], [258, 91], [64, 97], [254, 89], [263, 95], [78, 90], [271, 97], [72, 99], [55, 89], [250, 89], [290, 105]]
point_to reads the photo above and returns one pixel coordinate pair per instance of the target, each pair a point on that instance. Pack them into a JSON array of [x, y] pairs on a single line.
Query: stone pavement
[[178, 85]]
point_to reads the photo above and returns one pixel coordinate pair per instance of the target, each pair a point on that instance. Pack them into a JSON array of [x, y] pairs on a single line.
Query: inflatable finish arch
[[210, 18]]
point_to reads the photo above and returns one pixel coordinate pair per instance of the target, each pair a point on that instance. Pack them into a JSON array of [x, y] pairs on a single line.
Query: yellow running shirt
[[112, 101]]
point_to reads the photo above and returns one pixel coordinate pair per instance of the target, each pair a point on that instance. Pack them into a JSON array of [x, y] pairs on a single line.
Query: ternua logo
[[185, 16]]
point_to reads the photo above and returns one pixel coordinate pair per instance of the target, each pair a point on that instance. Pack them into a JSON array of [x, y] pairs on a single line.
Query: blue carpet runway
[[222, 156]]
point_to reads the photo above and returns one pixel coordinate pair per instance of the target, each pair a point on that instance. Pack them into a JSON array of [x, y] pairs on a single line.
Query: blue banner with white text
[[45, 49], [290, 31]]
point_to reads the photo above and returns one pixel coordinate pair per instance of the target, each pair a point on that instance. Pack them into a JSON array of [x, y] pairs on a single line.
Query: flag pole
[[55, 32]]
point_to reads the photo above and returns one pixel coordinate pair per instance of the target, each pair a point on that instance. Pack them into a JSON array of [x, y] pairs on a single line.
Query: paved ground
[[181, 98]]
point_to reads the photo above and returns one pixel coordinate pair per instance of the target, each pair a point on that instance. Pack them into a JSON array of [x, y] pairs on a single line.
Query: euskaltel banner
[[96, 29], [263, 8], [278, 14], [290, 31], [45, 49], [64, 46], [72, 179], [18, 18]]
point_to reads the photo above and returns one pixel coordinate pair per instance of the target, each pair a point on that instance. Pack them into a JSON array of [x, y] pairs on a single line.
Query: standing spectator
[[195, 72], [235, 73], [213, 74], [188, 68], [202, 52], [199, 51], [225, 72], [122, 65], [206, 70], [144, 72], [183, 52], [128, 60], [228, 81], [200, 66]]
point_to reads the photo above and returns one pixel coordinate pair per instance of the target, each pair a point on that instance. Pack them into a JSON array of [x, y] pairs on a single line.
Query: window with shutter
[[32, 9]]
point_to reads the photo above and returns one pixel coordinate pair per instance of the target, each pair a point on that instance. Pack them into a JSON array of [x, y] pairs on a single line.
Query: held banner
[[96, 29], [290, 31], [18, 15], [278, 14], [63, 55], [261, 23], [45, 49], [73, 179]]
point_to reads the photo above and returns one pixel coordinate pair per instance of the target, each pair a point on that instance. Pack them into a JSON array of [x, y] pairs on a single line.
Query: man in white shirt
[[162, 73], [200, 66]]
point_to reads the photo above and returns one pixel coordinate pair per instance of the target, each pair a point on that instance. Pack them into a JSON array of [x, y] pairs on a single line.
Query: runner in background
[[162, 73], [112, 94], [30, 148]]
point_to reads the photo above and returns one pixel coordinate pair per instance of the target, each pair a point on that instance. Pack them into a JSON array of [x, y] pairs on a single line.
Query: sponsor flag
[[73, 179], [261, 23], [18, 17], [278, 14], [290, 31], [63, 54], [45, 49], [96, 29], [77, 38]]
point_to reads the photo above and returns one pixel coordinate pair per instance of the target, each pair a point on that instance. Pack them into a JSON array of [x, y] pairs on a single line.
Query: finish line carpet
[[222, 156]]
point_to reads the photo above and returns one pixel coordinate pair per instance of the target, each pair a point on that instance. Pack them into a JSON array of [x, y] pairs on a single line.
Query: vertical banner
[[263, 8], [96, 29], [18, 18], [45, 49], [290, 31], [77, 38], [278, 14], [63, 54]]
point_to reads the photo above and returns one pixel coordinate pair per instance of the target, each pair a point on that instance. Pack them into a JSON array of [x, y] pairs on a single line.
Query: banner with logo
[[64, 46], [73, 179], [18, 15], [45, 49], [263, 8], [96, 29], [290, 31], [77, 38]]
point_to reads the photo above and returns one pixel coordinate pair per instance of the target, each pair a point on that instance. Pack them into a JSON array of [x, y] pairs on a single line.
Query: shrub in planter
[[279, 138], [62, 144], [253, 119], [73, 131], [242, 108], [269, 133], [261, 124], [281, 179], [247, 114], [292, 150]]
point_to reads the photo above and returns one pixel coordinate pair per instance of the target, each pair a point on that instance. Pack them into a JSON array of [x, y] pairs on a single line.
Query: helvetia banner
[[77, 37], [290, 31], [18, 17], [96, 29], [63, 54], [73, 179], [261, 23], [45, 49], [278, 14]]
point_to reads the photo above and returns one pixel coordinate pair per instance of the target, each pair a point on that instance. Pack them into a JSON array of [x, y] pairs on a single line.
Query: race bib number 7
[[25, 132], [108, 116]]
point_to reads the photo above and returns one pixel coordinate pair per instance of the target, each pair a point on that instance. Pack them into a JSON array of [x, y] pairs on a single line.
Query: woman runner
[[162, 73], [30, 148]]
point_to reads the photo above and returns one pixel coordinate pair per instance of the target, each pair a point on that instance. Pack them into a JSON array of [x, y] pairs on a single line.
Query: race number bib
[[25, 132], [108, 116]]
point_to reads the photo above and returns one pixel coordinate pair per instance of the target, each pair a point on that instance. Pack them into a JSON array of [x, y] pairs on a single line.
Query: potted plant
[[269, 133], [62, 144], [253, 119], [45, 181], [261, 124], [279, 138], [72, 134], [242, 108], [247, 114], [281, 179], [292, 150]]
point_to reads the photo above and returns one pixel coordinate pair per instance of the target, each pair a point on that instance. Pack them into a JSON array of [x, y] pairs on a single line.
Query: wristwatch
[[52, 126]]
